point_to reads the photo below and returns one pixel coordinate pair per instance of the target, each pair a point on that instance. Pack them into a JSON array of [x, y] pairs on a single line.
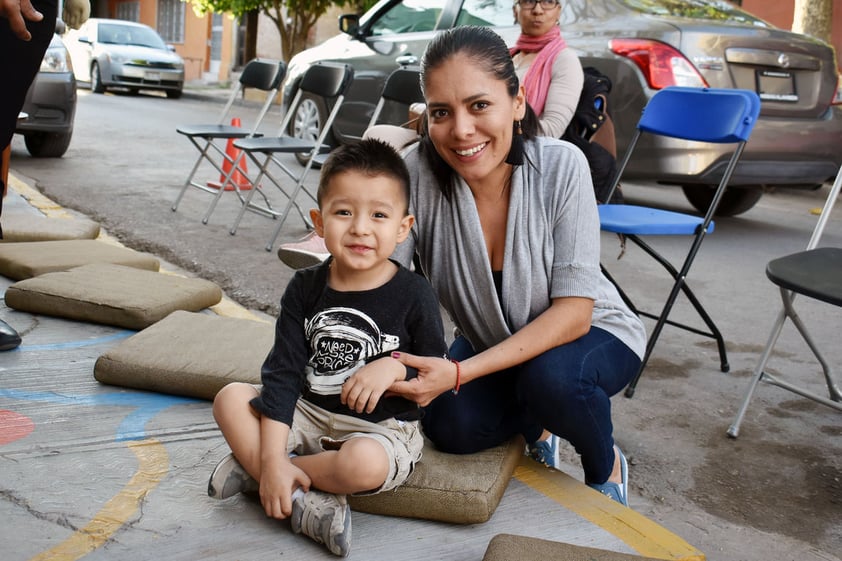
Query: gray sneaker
[[324, 517], [229, 478]]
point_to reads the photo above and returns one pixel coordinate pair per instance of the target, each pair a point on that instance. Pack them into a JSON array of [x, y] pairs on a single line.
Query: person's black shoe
[[9, 338]]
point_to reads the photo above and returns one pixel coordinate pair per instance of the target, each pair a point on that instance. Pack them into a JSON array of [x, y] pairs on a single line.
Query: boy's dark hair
[[371, 157], [488, 51]]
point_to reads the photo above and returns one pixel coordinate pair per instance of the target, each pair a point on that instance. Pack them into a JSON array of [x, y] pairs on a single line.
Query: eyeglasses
[[545, 4]]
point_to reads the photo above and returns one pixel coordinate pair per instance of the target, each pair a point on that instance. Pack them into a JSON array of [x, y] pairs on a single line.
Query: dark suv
[[642, 45], [50, 105]]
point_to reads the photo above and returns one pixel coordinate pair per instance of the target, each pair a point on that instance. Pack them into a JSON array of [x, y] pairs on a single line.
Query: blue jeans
[[566, 390]]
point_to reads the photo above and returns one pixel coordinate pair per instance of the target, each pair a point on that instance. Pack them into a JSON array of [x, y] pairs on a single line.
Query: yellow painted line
[[35, 198], [640, 533], [226, 307], [153, 465]]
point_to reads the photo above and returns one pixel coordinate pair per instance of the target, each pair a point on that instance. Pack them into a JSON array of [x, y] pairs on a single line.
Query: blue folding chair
[[723, 116]]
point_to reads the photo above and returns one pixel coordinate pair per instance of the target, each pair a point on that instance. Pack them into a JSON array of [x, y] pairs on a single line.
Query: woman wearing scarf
[[550, 72]]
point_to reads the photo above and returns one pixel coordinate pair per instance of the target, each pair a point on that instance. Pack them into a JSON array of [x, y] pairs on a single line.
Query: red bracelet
[[455, 389]]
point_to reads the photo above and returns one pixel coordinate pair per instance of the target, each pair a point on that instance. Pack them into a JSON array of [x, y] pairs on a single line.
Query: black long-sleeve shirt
[[322, 336]]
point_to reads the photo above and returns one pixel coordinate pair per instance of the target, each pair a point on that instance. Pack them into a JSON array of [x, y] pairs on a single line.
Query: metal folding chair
[[402, 88], [211, 139], [816, 273], [328, 81], [696, 114]]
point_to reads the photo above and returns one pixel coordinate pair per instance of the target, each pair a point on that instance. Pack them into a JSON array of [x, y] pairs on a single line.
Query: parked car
[[642, 46], [111, 53], [50, 105]]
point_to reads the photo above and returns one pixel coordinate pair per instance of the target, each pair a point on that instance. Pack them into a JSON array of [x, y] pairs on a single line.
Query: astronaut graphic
[[341, 341]]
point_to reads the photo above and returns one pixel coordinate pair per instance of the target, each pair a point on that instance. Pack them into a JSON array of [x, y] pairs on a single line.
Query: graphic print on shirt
[[341, 341]]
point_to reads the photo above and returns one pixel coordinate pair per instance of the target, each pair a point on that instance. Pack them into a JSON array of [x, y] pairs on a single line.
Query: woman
[[549, 71], [507, 232]]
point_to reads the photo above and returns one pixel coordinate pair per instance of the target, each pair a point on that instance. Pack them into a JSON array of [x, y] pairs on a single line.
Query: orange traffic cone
[[239, 177]]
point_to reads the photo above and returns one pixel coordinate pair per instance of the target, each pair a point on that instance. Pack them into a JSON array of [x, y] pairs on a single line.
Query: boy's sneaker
[[545, 451], [324, 517], [229, 478], [306, 252]]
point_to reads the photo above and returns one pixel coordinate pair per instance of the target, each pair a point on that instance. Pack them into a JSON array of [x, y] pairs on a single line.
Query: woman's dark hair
[[370, 157], [488, 51]]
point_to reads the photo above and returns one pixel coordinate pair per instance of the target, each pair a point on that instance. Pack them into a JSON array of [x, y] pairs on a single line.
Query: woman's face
[[537, 20], [470, 118]]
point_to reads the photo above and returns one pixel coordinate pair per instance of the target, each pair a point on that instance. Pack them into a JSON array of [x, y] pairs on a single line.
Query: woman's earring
[[515, 156]]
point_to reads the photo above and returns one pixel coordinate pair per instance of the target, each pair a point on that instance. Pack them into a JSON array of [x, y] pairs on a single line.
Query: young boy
[[323, 425]]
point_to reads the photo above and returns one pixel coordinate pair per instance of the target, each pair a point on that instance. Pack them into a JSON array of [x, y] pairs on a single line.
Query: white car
[[112, 53]]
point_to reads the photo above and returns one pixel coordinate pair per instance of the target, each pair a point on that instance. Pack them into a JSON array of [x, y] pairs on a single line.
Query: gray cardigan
[[552, 248]]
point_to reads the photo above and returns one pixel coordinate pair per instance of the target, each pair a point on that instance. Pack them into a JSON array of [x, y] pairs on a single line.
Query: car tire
[[307, 121], [174, 94], [47, 144], [96, 79], [735, 200]]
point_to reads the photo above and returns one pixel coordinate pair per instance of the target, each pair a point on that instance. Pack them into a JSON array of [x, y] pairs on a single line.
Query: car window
[[408, 16], [715, 10], [130, 35], [486, 13]]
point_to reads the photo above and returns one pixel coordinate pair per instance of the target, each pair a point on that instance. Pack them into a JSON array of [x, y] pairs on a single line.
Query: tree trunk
[[813, 17]]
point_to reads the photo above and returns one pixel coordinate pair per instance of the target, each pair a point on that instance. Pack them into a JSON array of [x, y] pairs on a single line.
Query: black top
[[323, 336]]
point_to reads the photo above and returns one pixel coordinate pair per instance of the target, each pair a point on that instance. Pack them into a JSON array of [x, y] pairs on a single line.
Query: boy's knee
[[232, 395], [365, 462]]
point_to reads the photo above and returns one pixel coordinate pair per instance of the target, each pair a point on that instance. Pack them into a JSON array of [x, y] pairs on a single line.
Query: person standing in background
[[26, 29]]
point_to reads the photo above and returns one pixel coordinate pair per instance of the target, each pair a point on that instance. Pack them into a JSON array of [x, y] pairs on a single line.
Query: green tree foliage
[[293, 18]]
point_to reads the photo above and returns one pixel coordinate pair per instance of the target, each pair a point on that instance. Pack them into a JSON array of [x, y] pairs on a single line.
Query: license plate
[[153, 76], [776, 85]]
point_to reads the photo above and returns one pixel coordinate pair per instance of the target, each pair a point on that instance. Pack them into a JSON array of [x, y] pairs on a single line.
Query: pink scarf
[[538, 76]]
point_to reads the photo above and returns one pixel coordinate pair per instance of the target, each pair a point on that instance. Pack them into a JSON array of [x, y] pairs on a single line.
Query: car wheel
[[735, 200], [307, 122], [47, 144], [174, 94], [96, 79]]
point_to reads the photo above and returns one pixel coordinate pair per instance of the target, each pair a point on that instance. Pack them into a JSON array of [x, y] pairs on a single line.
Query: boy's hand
[[276, 486], [365, 387]]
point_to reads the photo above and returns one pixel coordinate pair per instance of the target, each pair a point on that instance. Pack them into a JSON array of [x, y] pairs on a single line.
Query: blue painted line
[[77, 344], [133, 427]]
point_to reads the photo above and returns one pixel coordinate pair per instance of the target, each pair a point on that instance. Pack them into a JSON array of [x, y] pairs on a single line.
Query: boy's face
[[362, 218]]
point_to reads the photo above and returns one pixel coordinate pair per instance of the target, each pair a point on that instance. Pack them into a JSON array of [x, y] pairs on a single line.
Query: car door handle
[[407, 60]]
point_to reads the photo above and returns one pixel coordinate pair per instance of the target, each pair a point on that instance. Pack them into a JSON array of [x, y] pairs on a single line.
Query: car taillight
[[661, 64]]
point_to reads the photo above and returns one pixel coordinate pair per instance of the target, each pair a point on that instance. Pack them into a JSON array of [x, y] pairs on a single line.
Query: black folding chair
[[328, 81], [211, 139], [697, 114], [816, 273], [402, 88]]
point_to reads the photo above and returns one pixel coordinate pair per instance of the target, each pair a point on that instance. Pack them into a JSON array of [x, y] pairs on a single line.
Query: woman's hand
[[366, 386], [435, 376], [277, 482]]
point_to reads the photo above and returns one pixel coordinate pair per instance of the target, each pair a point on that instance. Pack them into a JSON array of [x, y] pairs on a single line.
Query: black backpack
[[590, 116]]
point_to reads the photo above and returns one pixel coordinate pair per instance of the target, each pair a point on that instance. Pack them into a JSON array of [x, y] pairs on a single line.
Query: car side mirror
[[171, 48], [349, 23]]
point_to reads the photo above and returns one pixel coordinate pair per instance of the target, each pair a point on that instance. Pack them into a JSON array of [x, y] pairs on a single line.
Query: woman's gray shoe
[[324, 517]]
